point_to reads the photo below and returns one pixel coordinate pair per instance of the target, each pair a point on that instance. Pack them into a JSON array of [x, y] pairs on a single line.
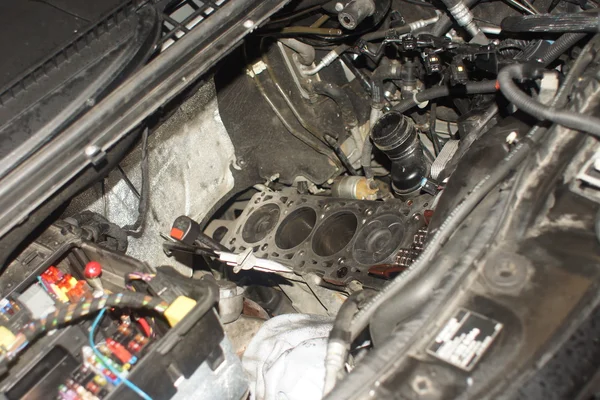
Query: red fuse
[[141, 339], [124, 330], [78, 292], [120, 352], [52, 275], [65, 282], [92, 387], [134, 346]]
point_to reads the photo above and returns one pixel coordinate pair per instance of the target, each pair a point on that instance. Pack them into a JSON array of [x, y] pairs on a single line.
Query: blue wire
[[103, 360]]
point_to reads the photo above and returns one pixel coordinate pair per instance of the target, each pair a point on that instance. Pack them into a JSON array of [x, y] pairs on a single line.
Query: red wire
[[145, 326]]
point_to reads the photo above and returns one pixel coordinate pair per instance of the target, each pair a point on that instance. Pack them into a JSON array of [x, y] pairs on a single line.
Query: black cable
[[558, 48], [487, 86], [137, 227], [170, 247], [419, 3], [333, 143], [295, 15], [65, 314], [360, 75], [374, 36], [382, 34], [524, 102], [432, 134], [550, 23], [205, 240], [128, 182], [365, 160]]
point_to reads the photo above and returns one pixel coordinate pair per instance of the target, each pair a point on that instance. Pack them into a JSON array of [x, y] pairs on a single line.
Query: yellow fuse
[[179, 309], [6, 337]]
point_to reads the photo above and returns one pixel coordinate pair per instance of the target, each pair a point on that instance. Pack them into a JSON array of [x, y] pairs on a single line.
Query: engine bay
[[363, 199]]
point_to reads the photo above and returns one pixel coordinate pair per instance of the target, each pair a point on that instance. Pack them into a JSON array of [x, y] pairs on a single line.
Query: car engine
[[349, 199]]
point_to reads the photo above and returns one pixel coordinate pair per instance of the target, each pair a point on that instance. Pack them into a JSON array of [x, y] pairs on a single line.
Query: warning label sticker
[[464, 339]]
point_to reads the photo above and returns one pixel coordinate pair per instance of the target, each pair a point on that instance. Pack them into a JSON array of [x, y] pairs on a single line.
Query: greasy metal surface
[[322, 249], [185, 177], [241, 331]]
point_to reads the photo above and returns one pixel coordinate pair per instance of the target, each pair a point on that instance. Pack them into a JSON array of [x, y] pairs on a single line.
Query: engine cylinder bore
[[295, 228], [334, 234], [396, 136], [260, 223], [378, 239]]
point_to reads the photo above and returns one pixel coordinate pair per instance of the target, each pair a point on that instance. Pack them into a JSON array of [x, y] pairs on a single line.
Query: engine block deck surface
[[338, 239]]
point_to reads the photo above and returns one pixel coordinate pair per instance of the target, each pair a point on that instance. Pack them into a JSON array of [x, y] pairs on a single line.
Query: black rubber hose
[[343, 319], [339, 341], [558, 48], [396, 136], [342, 100], [481, 87], [524, 102], [547, 23]]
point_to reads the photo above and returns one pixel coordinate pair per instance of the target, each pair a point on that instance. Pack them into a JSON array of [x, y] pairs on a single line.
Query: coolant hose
[[339, 342], [487, 86], [546, 23], [526, 103]]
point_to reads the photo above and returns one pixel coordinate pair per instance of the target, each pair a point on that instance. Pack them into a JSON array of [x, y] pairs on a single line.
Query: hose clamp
[[419, 103]]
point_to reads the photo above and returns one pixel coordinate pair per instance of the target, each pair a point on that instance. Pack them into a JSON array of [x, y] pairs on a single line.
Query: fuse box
[[138, 345]]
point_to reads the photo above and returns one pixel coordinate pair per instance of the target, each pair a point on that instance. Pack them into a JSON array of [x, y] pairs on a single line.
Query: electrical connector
[[179, 309]]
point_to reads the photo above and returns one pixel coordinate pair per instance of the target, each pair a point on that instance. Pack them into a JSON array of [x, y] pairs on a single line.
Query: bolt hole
[[505, 273], [342, 272]]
